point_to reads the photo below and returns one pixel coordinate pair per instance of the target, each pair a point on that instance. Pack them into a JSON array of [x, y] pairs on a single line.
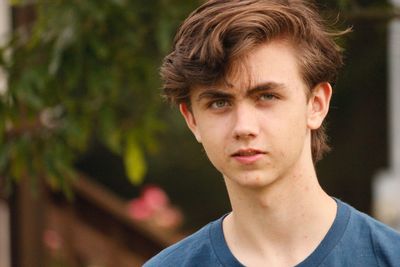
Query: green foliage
[[88, 70], [134, 160], [83, 70]]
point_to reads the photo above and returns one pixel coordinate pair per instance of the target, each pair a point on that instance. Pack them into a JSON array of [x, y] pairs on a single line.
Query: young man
[[252, 79]]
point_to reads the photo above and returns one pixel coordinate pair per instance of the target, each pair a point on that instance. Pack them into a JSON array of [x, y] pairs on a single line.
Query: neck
[[283, 222]]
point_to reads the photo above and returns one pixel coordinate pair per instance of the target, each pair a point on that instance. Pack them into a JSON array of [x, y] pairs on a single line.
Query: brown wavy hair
[[219, 32]]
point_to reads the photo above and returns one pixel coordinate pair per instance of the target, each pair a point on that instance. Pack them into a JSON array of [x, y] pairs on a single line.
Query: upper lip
[[247, 152]]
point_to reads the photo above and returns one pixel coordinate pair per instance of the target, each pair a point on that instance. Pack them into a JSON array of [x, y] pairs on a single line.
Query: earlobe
[[190, 120], [318, 105]]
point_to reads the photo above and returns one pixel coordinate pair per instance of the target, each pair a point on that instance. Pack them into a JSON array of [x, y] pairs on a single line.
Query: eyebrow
[[215, 93], [267, 86]]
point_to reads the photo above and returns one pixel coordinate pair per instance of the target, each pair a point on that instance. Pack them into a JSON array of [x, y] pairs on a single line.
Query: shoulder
[[194, 250], [379, 232], [383, 241]]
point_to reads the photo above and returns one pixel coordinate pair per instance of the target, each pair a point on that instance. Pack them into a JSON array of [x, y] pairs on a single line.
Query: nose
[[245, 123]]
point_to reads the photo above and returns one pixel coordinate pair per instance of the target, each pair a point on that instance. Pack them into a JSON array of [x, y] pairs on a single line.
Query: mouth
[[248, 156], [247, 152]]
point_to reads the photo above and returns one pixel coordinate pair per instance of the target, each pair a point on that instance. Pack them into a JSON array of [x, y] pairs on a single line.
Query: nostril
[[244, 135]]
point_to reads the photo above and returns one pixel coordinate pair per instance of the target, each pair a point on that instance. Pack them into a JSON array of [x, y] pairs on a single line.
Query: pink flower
[[155, 197], [169, 217], [52, 239], [153, 205], [139, 210]]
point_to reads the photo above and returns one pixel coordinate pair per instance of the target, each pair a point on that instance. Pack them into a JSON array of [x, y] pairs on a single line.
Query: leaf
[[99, 61], [135, 163], [14, 2], [4, 156], [113, 141]]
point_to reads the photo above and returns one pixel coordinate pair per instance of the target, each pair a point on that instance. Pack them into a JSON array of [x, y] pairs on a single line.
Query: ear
[[190, 120], [318, 105]]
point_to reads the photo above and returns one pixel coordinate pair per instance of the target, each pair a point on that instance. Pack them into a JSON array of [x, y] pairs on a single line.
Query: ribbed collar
[[330, 240]]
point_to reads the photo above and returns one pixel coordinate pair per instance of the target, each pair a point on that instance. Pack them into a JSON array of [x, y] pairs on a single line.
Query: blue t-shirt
[[354, 239]]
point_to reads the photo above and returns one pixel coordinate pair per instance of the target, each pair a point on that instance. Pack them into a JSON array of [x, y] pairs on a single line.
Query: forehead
[[273, 62]]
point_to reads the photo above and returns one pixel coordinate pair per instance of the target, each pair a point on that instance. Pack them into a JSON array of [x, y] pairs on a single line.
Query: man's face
[[257, 130]]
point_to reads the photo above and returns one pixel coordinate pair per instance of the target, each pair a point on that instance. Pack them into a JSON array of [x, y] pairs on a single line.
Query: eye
[[266, 97], [218, 104]]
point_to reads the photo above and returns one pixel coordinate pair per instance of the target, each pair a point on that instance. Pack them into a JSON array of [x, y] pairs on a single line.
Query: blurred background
[[96, 170]]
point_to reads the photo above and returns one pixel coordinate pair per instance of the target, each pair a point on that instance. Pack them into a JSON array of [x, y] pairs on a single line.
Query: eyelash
[[267, 97], [212, 104], [226, 103]]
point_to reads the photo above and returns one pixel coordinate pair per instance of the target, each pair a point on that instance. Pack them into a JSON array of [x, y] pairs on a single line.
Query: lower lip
[[248, 159]]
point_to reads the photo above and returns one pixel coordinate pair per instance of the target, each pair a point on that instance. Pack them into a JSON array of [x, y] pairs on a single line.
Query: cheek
[[215, 155], [289, 133], [288, 122], [213, 131], [212, 140]]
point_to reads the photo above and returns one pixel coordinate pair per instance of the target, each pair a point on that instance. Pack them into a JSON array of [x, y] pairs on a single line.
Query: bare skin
[[277, 227], [257, 133]]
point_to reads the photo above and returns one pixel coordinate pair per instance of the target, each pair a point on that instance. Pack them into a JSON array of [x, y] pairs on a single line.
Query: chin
[[253, 180]]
